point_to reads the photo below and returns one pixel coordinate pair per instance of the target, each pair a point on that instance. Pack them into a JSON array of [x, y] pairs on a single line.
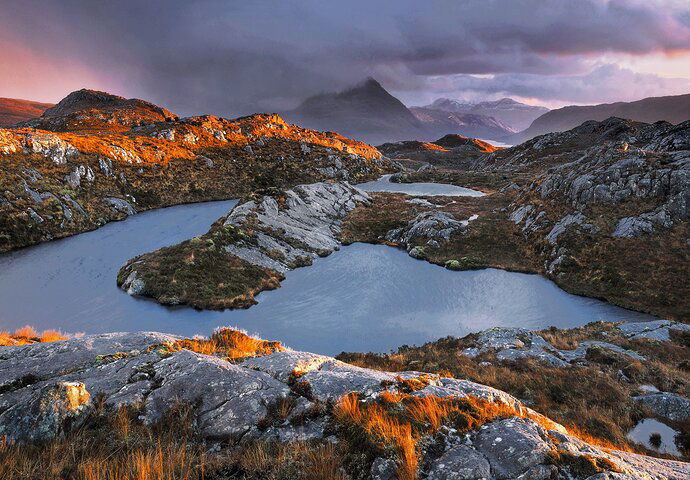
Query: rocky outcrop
[[46, 389], [510, 344], [431, 228], [249, 249], [303, 226]]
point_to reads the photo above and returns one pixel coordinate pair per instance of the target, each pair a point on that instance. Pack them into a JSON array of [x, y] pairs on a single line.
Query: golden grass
[[399, 420], [27, 335], [115, 445], [230, 343]]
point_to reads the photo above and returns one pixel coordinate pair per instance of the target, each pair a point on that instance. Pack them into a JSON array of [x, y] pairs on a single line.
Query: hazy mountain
[[370, 113], [13, 110], [440, 122], [514, 114], [366, 112], [673, 109]]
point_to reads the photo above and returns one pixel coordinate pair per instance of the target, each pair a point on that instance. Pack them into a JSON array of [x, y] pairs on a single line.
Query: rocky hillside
[[247, 251], [98, 111], [608, 209], [13, 110], [674, 109], [518, 116], [451, 150], [241, 391], [57, 183]]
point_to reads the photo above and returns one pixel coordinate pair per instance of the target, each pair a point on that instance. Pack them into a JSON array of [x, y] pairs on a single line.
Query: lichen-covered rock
[[304, 225], [512, 344], [460, 462]]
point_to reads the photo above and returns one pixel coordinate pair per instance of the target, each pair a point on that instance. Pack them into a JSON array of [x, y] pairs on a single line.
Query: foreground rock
[[46, 389], [247, 251]]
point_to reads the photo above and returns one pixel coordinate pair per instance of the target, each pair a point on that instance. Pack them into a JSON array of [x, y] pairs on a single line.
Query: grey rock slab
[[230, 399], [44, 360], [335, 378], [513, 446], [667, 405], [461, 462], [656, 330], [281, 365]]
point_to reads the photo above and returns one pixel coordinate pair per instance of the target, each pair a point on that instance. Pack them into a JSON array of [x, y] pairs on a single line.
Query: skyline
[[232, 58]]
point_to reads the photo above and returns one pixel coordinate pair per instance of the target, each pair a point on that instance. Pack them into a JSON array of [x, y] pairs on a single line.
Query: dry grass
[[229, 343], [111, 446], [115, 445], [274, 460], [27, 335], [590, 400], [397, 421]]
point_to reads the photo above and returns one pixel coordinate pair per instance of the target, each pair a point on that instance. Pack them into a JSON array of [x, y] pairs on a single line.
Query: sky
[[234, 58]]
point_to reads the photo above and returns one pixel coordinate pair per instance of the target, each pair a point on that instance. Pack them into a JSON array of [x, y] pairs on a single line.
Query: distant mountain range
[[13, 110], [674, 109], [507, 111], [370, 113]]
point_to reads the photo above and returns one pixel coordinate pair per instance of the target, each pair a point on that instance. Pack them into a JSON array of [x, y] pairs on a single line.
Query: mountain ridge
[[671, 108], [516, 115]]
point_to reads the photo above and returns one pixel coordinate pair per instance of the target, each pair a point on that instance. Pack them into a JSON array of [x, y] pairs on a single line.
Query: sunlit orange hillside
[[13, 110]]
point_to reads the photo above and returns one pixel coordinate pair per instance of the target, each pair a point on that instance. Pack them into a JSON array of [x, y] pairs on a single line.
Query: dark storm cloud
[[236, 57]]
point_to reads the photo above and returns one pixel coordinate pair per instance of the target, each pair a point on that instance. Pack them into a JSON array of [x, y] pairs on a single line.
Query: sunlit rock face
[[48, 389]]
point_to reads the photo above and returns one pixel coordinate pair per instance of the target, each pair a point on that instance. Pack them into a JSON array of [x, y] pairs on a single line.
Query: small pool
[[642, 432], [384, 184]]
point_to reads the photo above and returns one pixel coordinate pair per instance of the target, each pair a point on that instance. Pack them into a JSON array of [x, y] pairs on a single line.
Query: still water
[[384, 184], [361, 298]]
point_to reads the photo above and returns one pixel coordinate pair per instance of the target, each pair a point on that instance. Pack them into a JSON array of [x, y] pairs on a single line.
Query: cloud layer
[[237, 57]]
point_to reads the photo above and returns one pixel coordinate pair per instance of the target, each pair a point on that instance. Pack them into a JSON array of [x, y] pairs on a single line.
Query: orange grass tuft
[[27, 335], [230, 343], [399, 420]]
